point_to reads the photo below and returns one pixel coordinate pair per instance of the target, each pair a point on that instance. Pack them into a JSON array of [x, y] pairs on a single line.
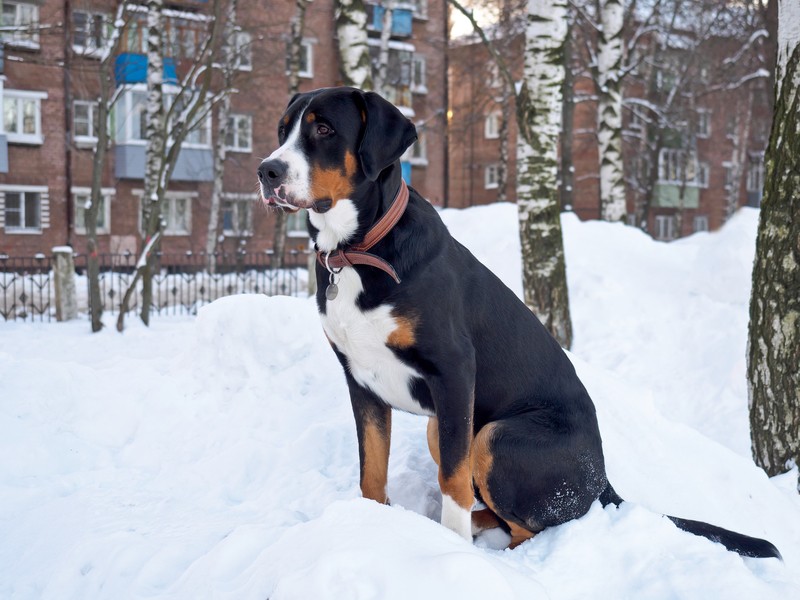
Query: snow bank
[[217, 458]]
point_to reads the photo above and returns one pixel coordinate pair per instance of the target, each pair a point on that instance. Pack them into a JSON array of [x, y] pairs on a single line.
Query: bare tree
[[774, 331], [166, 130]]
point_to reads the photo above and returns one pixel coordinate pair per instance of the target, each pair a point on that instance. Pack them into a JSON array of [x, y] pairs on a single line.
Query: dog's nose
[[272, 173]]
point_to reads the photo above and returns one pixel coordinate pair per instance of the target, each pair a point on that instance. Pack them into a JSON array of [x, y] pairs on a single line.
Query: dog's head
[[332, 141]]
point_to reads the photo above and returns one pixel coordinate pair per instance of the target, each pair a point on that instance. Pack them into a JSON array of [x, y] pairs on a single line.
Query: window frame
[[91, 139], [704, 117], [170, 198], [301, 231], [698, 219], [235, 200], [233, 130], [491, 125], [491, 183], [669, 221], [34, 139], [92, 50], [419, 66], [42, 191], [243, 47], [20, 39], [107, 195]]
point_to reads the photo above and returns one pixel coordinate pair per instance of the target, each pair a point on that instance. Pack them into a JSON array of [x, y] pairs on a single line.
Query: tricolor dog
[[419, 325]]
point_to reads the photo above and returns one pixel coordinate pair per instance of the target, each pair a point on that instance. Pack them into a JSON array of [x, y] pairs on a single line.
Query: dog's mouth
[[279, 198]]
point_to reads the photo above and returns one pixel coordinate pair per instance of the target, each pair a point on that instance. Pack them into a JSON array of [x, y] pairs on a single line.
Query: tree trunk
[[539, 121], [351, 29], [230, 60], [567, 166], [609, 111], [381, 69], [774, 332]]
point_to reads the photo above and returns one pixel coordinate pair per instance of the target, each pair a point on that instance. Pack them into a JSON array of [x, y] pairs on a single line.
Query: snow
[[216, 457]]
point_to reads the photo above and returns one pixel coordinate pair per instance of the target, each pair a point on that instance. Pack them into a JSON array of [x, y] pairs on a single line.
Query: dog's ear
[[295, 97], [386, 133]]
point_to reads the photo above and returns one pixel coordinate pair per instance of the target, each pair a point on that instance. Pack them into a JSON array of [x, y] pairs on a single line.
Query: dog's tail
[[735, 542]]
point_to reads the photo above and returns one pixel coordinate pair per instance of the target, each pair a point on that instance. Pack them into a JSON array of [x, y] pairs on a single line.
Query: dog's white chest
[[361, 336]]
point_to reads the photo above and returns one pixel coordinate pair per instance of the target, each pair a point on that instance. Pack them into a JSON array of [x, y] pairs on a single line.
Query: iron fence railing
[[181, 283], [26, 288]]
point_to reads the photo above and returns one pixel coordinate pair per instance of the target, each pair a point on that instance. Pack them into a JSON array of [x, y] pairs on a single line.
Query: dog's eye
[[324, 130]]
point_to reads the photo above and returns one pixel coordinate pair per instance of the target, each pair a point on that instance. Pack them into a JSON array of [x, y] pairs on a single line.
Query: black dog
[[420, 325]]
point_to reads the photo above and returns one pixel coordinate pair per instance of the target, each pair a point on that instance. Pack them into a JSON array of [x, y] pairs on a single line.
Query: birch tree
[[106, 100], [539, 121], [774, 331], [538, 103], [609, 109], [166, 130], [230, 62], [351, 30]]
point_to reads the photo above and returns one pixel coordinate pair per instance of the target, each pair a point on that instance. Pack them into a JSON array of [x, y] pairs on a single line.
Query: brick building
[[720, 174], [49, 85]]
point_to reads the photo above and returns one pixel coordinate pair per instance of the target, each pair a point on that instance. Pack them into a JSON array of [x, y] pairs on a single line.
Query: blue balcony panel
[[194, 164], [132, 68], [405, 170], [402, 20], [3, 153]]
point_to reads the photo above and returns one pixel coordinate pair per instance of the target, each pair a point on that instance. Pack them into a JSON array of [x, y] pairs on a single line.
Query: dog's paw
[[456, 518]]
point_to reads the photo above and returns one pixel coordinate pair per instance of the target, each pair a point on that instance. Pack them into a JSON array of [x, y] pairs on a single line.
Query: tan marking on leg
[[433, 438], [484, 519], [482, 460], [376, 462], [403, 334], [459, 485], [518, 535]]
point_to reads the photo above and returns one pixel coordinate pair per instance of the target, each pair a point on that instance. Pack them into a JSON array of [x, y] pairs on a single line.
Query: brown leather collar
[[357, 253]]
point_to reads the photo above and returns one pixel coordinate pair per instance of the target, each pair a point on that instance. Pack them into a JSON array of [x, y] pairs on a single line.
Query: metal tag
[[331, 291]]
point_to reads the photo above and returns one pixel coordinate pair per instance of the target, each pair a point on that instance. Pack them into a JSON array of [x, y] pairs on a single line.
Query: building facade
[[700, 171], [49, 88]]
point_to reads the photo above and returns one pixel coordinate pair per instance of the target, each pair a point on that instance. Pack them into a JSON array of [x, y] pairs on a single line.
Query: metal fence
[[181, 284], [26, 288]]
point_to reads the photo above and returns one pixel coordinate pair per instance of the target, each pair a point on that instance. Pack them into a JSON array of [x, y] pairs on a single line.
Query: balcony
[[194, 164], [402, 20], [132, 68], [669, 196], [3, 153]]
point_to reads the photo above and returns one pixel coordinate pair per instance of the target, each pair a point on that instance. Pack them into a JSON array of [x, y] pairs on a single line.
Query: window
[[89, 31], [491, 177], [728, 168], [491, 129], [244, 55], [240, 133], [183, 38], [306, 67], [24, 19], [24, 209], [176, 212], [665, 227], [237, 214], [80, 200], [703, 123], [200, 135], [702, 174], [755, 173], [22, 116], [131, 121], [84, 121], [420, 8], [418, 80], [419, 149], [700, 223], [675, 167], [399, 73], [296, 224]]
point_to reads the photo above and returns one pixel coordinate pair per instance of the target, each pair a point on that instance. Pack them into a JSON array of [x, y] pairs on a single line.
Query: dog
[[420, 325]]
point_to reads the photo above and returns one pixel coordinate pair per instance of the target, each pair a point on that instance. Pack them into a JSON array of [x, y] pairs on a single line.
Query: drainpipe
[[68, 118]]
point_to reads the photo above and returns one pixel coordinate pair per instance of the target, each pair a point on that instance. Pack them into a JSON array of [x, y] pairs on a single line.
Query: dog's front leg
[[373, 427], [454, 424]]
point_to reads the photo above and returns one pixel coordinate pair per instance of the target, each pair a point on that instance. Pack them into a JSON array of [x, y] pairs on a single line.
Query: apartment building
[[49, 87], [694, 189]]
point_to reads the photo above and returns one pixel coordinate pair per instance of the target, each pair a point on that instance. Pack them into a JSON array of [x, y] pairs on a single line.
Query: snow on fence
[[182, 283]]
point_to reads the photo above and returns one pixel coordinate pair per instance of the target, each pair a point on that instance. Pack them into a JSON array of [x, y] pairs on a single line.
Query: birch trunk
[[539, 122], [381, 69], [609, 110], [351, 29], [229, 62], [774, 331]]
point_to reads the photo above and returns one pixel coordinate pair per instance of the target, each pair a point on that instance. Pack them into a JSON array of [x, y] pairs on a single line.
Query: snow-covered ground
[[216, 457]]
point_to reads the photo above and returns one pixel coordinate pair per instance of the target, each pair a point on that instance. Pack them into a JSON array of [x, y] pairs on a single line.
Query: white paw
[[456, 518]]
